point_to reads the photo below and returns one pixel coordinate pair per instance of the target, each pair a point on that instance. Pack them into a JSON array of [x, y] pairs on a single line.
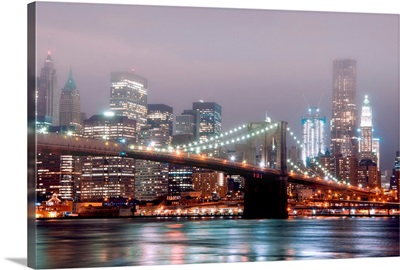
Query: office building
[[128, 96], [48, 175], [395, 178], [160, 116], [366, 131], [103, 178], [57, 174], [151, 181], [70, 107], [346, 168], [69, 175], [185, 124], [109, 126], [212, 185], [188, 123], [210, 123], [344, 112], [180, 179], [328, 165], [108, 177], [368, 174], [376, 151], [313, 133], [47, 96], [294, 154], [368, 168]]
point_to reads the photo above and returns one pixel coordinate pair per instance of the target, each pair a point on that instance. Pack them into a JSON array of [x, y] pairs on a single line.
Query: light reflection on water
[[120, 242]]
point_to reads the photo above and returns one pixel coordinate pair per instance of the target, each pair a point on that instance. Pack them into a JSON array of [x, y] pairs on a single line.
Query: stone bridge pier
[[266, 194], [265, 197]]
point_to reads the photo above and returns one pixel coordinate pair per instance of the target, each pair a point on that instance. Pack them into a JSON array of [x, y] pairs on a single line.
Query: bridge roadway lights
[[265, 197]]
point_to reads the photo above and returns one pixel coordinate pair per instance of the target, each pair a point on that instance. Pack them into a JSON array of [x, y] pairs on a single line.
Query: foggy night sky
[[248, 61]]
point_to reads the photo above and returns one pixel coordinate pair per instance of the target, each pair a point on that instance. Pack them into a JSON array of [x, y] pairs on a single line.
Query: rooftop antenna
[[49, 44]]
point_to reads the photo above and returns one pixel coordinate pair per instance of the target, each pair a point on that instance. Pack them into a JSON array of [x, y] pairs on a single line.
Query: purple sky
[[248, 61]]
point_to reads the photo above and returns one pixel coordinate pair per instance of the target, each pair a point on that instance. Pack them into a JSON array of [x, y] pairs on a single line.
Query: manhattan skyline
[[251, 62]]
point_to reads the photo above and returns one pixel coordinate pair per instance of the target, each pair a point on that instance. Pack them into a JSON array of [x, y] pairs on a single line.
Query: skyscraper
[[151, 181], [366, 130], [186, 127], [47, 93], [368, 168], [314, 139], [395, 178], [108, 176], [376, 151], [210, 123], [160, 116], [210, 184], [128, 96], [110, 127], [48, 175], [344, 112], [185, 124], [70, 107]]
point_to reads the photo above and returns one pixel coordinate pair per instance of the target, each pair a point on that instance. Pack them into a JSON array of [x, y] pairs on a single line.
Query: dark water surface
[[127, 242]]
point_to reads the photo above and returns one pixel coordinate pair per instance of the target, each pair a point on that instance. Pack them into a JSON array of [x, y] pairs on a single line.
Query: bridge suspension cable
[[327, 174], [224, 139]]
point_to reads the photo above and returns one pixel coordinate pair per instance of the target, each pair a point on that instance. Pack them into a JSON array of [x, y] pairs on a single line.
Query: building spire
[[366, 101], [48, 60], [267, 118], [70, 84]]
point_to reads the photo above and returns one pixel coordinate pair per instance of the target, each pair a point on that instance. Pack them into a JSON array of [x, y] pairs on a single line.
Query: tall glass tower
[[151, 182], [314, 138], [344, 112], [210, 118], [70, 108], [160, 116], [47, 93], [128, 96]]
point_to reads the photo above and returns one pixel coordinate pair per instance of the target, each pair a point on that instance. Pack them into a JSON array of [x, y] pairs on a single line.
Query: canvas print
[[161, 135]]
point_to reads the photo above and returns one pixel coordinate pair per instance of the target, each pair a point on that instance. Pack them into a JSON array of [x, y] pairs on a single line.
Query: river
[[64, 243]]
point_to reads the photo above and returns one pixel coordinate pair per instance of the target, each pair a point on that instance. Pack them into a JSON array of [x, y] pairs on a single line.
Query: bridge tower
[[266, 195]]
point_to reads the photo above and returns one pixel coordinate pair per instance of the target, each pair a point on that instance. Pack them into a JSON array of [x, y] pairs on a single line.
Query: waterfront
[[66, 243]]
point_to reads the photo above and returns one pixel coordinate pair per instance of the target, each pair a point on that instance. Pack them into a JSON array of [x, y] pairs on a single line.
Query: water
[[128, 242]]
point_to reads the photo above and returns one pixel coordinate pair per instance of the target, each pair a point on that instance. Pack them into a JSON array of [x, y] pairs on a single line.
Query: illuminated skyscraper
[[210, 123], [344, 112], [314, 138], [70, 107], [108, 126], [57, 174], [160, 116], [48, 94], [366, 130], [108, 176], [187, 124], [210, 184], [151, 181], [395, 178], [128, 96], [376, 151]]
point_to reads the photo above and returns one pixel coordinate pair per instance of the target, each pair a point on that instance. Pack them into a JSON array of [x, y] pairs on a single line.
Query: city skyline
[[216, 66], [14, 51]]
